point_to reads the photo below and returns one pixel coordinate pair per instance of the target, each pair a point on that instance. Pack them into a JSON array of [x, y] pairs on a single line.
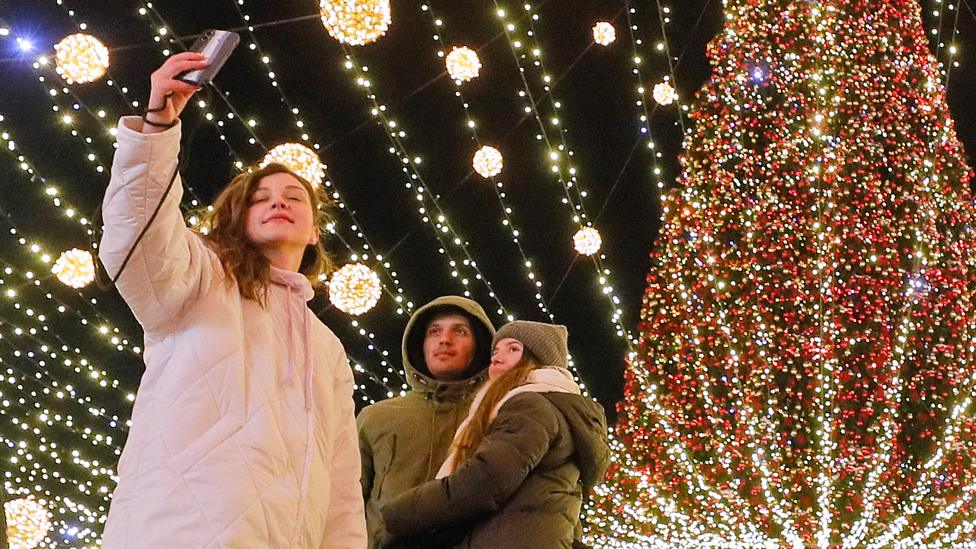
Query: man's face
[[449, 346]]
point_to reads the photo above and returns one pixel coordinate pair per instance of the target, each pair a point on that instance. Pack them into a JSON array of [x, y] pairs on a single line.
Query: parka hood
[[414, 365]]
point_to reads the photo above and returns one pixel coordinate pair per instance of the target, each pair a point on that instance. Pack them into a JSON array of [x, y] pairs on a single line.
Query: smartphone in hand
[[216, 46]]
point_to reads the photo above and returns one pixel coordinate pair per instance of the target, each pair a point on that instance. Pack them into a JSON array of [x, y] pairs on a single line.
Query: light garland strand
[[498, 185], [641, 101], [574, 195], [404, 304], [427, 204]]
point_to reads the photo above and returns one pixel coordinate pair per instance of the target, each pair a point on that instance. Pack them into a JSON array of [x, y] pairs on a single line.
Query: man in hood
[[403, 440]]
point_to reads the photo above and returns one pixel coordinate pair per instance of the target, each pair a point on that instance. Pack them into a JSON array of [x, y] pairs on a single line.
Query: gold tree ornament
[[665, 94], [488, 161], [356, 22], [75, 268], [81, 58], [355, 289], [299, 159], [587, 241], [463, 63], [28, 523], [604, 33]]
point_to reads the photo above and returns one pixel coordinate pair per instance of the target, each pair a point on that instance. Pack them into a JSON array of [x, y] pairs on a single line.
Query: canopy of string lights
[[515, 152]]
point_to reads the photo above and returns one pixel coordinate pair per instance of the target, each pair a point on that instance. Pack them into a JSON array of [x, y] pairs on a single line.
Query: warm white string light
[[427, 204], [644, 116], [403, 303], [574, 194], [499, 186]]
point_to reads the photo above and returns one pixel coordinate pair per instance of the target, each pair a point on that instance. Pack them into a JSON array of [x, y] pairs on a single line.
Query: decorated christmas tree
[[806, 367]]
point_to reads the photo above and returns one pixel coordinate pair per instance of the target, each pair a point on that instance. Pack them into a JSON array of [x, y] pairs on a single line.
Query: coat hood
[[414, 365], [297, 282], [588, 427]]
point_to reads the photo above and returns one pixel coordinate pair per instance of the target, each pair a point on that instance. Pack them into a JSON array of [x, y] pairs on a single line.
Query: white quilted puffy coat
[[243, 432]]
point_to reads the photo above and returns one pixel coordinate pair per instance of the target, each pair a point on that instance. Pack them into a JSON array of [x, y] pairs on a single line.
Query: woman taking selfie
[[243, 430]]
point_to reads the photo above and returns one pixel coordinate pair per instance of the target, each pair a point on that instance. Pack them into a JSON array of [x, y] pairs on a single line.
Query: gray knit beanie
[[546, 341]]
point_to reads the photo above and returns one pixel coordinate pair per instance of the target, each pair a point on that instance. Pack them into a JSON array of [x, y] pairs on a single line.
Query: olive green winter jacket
[[404, 440], [523, 486]]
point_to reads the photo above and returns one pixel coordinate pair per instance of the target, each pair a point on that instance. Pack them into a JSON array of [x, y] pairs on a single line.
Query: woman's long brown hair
[[224, 227], [474, 432]]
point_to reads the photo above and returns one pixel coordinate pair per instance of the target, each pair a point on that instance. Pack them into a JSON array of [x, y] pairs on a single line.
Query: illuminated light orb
[[356, 22], [604, 33], [28, 523], [299, 159], [488, 161], [81, 58], [463, 64], [587, 241], [665, 94], [75, 268], [355, 289]]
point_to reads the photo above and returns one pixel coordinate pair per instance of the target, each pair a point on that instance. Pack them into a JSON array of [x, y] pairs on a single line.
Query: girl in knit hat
[[520, 462]]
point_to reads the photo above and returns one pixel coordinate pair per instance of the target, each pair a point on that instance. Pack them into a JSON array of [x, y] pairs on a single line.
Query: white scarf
[[549, 379]]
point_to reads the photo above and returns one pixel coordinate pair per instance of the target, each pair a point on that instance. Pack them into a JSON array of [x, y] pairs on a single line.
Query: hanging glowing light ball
[[299, 159], [75, 268], [463, 63], [354, 289], [488, 161], [80, 58], [665, 94], [604, 33], [587, 241], [356, 22], [27, 523]]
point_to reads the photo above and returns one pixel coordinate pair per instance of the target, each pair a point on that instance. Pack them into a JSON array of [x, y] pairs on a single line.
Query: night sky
[[594, 85]]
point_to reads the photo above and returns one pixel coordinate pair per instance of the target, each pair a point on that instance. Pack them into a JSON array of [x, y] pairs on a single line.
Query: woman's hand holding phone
[[169, 94]]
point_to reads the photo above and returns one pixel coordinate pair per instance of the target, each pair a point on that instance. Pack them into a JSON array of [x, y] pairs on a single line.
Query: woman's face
[[507, 353], [279, 215]]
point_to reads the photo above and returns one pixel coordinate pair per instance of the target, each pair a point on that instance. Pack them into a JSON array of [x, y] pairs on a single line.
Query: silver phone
[[216, 46]]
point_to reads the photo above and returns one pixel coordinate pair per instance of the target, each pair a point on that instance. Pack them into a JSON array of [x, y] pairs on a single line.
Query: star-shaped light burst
[[488, 161], [75, 268], [80, 58], [299, 159], [355, 289], [463, 64], [356, 22]]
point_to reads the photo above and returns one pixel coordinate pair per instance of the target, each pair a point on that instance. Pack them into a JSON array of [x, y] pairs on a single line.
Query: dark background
[[595, 85]]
